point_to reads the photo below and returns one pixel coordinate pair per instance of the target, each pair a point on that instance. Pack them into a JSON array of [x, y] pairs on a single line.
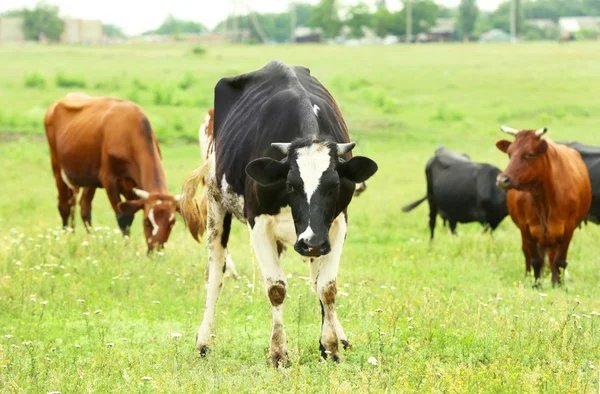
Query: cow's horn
[[141, 193], [342, 149], [541, 132], [177, 197], [509, 130], [283, 147]]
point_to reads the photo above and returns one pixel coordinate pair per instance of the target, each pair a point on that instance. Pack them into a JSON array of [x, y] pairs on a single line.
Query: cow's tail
[[414, 204], [194, 210]]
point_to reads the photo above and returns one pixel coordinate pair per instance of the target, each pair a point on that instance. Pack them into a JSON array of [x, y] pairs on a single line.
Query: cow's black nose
[[312, 247]]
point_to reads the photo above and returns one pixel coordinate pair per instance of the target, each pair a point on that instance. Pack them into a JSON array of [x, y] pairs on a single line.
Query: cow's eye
[[290, 188], [530, 155]]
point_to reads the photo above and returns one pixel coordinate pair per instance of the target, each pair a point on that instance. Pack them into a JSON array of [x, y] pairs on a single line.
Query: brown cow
[[549, 195], [108, 143]]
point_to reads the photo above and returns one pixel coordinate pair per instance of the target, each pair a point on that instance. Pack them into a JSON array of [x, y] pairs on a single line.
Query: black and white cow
[[461, 191], [281, 163]]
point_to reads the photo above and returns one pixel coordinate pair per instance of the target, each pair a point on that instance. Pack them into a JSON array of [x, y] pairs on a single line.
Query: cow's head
[[159, 215], [317, 179], [527, 158]]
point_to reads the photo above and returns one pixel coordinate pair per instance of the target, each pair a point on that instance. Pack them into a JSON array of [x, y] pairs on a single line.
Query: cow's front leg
[[265, 248], [218, 226], [331, 329]]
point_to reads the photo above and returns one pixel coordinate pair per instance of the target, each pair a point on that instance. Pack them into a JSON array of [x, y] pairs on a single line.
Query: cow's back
[[83, 132]]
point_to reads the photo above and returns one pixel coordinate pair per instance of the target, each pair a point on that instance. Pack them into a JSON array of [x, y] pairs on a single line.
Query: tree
[[467, 17], [325, 16], [172, 25], [43, 19], [113, 31], [358, 16]]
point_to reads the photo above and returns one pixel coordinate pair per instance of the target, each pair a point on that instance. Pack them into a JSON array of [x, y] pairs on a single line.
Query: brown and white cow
[[103, 142], [549, 195]]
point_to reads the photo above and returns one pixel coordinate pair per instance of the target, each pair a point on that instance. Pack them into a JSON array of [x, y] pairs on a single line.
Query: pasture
[[92, 313]]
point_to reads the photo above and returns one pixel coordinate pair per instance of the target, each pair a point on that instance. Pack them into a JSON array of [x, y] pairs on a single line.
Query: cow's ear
[[503, 145], [131, 206], [266, 171], [358, 169], [542, 147]]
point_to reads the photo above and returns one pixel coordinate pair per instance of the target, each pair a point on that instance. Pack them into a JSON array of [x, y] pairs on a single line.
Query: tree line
[[44, 20]]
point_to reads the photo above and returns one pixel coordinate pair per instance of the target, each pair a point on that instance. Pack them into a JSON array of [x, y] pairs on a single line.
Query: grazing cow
[[591, 158], [462, 191], [549, 195], [102, 142], [281, 162]]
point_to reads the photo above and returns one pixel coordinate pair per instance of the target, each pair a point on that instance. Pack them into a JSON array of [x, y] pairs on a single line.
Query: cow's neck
[[544, 195], [152, 174]]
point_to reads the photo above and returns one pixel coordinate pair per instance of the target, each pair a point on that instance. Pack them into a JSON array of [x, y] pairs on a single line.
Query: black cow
[[462, 191], [281, 162], [591, 158]]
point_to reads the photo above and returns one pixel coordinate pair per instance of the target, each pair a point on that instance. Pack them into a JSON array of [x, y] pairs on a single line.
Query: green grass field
[[92, 313]]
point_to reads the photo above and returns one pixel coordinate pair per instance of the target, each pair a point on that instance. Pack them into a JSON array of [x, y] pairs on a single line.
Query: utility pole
[[408, 20], [513, 21], [293, 21]]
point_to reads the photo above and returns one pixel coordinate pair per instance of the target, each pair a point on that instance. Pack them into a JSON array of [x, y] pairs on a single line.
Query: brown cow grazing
[[549, 195], [108, 143]]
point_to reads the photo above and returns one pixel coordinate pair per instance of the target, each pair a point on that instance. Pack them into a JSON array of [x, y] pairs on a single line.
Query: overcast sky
[[136, 16]]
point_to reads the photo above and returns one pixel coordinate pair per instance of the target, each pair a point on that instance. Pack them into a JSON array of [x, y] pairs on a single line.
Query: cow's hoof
[[335, 356], [203, 348], [280, 360], [346, 344]]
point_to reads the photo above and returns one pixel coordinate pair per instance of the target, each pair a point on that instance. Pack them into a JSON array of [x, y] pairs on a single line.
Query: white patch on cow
[[307, 234], [155, 227], [159, 202], [312, 161], [172, 217], [283, 226], [66, 180], [203, 137], [231, 201], [316, 109]]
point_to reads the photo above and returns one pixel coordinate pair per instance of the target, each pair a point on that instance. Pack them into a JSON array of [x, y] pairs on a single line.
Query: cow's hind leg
[[331, 328], [264, 243], [85, 203], [432, 217], [217, 228], [67, 197]]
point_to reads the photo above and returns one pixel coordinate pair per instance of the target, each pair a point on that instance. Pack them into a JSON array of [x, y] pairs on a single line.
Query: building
[[82, 31], [444, 30], [541, 23], [11, 30], [576, 24]]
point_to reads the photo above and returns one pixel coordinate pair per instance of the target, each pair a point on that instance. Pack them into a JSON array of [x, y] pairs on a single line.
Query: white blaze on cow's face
[[319, 184]]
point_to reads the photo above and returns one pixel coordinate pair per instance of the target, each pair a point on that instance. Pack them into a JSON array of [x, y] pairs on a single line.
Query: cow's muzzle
[[313, 247], [503, 182]]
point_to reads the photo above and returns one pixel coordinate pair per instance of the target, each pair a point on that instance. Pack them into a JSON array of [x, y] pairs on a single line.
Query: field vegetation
[[92, 313]]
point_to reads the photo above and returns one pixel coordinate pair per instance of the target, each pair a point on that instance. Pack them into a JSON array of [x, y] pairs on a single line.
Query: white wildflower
[[97, 311], [176, 335], [146, 378], [372, 360], [110, 344]]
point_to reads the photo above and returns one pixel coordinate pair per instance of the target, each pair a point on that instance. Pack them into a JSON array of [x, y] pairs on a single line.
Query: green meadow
[[91, 312]]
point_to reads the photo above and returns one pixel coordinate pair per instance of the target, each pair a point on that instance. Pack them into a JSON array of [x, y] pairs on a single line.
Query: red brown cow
[[549, 195], [102, 142]]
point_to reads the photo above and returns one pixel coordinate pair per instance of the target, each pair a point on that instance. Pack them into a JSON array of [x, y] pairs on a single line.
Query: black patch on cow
[[226, 229], [591, 158]]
